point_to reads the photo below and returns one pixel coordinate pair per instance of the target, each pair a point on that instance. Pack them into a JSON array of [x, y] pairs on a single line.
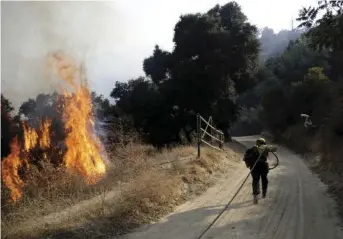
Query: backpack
[[250, 156]]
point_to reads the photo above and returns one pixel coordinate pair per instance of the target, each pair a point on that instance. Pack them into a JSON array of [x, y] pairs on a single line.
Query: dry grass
[[141, 185]]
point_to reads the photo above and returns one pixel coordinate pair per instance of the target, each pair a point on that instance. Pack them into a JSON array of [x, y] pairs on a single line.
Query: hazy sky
[[112, 37]]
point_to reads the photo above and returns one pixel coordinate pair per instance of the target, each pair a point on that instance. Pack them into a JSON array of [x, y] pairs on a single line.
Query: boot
[[255, 199]]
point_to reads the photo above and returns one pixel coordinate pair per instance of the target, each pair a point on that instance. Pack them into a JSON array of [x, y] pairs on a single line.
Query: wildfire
[[83, 147], [44, 141], [9, 171], [30, 137]]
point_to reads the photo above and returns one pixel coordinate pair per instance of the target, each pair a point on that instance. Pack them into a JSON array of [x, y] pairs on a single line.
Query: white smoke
[[31, 30]]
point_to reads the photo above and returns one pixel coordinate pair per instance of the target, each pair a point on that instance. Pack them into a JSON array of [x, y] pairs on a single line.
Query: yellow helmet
[[260, 141]]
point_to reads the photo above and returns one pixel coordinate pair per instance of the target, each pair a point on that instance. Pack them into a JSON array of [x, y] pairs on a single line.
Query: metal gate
[[207, 129]]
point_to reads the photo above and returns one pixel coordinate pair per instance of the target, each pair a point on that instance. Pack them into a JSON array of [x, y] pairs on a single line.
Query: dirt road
[[297, 207]]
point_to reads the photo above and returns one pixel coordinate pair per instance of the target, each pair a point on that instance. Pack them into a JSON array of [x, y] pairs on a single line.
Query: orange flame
[[44, 141], [83, 147], [9, 171], [30, 137]]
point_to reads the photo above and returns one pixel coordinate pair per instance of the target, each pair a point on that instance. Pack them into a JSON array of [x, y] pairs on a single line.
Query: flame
[[11, 164], [84, 148], [30, 137], [9, 171], [44, 141], [83, 153]]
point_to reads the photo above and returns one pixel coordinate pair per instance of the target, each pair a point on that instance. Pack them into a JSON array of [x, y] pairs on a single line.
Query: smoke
[[31, 30]]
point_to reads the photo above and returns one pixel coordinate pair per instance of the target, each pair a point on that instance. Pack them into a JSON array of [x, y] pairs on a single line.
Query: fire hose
[[238, 190], [277, 162]]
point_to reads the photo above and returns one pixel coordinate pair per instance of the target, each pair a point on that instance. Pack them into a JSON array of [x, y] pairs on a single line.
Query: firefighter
[[260, 171]]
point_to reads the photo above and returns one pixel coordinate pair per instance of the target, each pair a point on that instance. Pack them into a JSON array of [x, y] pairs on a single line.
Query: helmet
[[260, 141]]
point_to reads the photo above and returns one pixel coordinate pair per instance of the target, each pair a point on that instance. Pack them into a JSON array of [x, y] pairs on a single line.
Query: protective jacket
[[265, 150]]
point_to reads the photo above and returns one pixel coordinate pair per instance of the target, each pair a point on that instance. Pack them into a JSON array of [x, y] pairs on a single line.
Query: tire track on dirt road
[[297, 207]]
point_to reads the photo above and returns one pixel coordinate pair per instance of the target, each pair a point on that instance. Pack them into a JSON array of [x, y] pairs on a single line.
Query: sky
[[112, 38]]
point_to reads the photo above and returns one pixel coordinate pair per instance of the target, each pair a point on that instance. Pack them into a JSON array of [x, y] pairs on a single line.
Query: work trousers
[[260, 172]]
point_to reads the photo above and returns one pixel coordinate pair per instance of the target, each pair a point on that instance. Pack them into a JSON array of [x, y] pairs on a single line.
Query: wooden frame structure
[[214, 134]]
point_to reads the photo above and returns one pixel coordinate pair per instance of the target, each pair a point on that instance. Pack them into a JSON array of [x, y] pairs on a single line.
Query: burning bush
[[81, 151]]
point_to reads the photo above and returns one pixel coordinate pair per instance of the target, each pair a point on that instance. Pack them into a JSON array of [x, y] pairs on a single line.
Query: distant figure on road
[[259, 152]]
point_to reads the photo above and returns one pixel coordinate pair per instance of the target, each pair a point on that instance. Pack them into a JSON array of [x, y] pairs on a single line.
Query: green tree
[[326, 31], [157, 66], [275, 116], [140, 98], [310, 95], [214, 59], [295, 61]]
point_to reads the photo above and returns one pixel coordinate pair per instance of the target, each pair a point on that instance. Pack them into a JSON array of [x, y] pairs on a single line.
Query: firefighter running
[[260, 171]]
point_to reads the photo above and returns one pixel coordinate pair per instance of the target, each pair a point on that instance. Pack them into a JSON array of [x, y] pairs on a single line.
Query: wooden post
[[211, 123], [198, 133]]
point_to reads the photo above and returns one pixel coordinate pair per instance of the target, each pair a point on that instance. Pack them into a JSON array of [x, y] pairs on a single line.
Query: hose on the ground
[[238, 190]]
